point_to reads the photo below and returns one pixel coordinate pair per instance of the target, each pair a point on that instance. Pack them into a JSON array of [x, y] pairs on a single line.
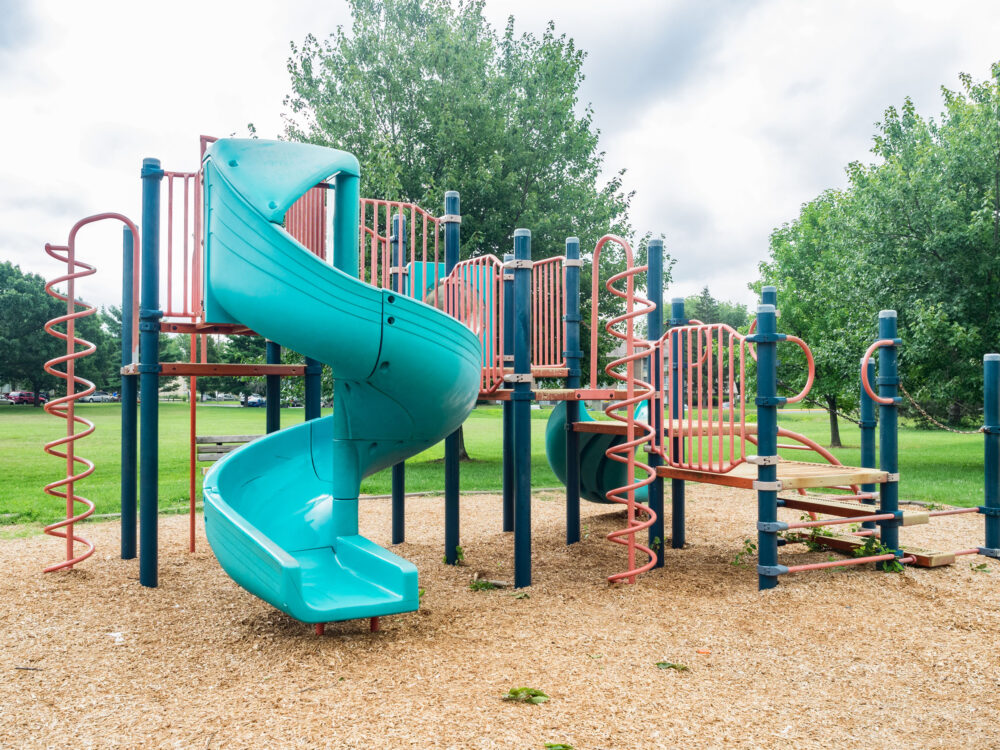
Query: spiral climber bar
[[637, 390], [77, 467]]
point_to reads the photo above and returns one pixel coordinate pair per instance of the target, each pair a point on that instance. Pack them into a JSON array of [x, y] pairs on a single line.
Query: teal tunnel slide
[[598, 473], [281, 513]]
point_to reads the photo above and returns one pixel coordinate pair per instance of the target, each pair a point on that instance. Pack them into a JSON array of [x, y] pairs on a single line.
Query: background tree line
[[918, 231]]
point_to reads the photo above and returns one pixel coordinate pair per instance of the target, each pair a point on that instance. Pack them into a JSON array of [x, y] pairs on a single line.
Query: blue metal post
[[888, 447], [314, 388], [573, 355], [399, 470], [129, 404], [452, 238], [149, 372], [677, 318], [766, 339], [272, 388], [508, 406], [991, 435], [868, 423], [654, 287], [521, 397]]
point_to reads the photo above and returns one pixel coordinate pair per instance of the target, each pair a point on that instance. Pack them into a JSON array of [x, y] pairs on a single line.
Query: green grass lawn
[[25, 468], [934, 465]]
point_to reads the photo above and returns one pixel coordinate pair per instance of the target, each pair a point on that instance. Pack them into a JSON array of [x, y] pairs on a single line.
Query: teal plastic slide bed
[[281, 513]]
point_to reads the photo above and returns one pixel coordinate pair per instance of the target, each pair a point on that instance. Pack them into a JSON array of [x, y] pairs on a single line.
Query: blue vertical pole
[[991, 437], [399, 470], [867, 423], [314, 388], [654, 287], [272, 388], [452, 238], [677, 318], [521, 397], [508, 406], [888, 447], [149, 372], [573, 355], [766, 339], [129, 405]]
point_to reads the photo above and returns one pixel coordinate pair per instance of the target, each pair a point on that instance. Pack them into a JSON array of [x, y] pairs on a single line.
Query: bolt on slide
[[281, 513]]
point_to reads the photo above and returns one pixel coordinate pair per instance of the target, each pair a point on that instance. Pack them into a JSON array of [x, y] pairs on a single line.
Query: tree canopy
[[918, 231]]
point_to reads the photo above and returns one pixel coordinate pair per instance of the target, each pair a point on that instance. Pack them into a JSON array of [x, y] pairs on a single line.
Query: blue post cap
[[769, 288], [676, 300], [451, 194], [656, 243], [151, 167], [887, 313], [991, 358], [765, 309], [572, 241], [522, 232]]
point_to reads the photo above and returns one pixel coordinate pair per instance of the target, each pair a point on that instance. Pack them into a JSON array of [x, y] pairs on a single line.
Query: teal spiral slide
[[281, 513]]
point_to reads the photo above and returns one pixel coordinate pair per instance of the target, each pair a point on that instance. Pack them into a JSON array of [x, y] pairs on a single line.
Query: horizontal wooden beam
[[213, 328], [848, 544], [844, 508]]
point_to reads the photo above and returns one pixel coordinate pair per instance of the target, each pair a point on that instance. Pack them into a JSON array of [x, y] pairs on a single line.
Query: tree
[[917, 231], [25, 347], [431, 98], [708, 309]]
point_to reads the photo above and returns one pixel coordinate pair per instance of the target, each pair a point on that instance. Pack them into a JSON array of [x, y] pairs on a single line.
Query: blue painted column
[[677, 489], [521, 396], [314, 388], [130, 417], [991, 439], [573, 355], [508, 406], [272, 388], [867, 423], [399, 470], [888, 446], [654, 286], [149, 372], [452, 238], [766, 339]]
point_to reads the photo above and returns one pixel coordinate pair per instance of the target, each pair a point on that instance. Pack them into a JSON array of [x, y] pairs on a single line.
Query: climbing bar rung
[[849, 561], [835, 521], [851, 511], [850, 543], [952, 511]]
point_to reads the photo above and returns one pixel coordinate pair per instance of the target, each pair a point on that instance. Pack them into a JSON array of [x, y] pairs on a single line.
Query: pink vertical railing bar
[[185, 298], [709, 379]]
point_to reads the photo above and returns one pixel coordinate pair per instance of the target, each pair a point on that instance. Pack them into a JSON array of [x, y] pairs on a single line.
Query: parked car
[[97, 397], [26, 397], [255, 399]]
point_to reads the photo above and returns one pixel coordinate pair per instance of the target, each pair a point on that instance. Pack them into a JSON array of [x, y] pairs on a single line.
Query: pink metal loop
[[864, 372], [812, 370]]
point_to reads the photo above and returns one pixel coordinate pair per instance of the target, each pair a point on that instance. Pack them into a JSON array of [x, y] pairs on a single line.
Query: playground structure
[[517, 320]]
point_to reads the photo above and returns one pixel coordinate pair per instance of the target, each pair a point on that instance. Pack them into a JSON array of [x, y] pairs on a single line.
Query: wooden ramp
[[924, 558], [791, 474], [832, 505]]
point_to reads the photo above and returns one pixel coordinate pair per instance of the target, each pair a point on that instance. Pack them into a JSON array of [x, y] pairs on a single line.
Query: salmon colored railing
[[421, 243], [474, 295], [548, 308], [306, 220], [64, 406]]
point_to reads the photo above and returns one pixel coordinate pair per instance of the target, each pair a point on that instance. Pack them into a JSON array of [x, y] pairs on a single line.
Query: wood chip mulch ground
[[847, 658]]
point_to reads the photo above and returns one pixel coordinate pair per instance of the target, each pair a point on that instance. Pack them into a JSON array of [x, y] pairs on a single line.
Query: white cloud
[[727, 115]]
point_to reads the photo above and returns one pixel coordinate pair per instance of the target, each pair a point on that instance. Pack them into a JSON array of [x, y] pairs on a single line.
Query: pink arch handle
[[864, 372], [812, 369]]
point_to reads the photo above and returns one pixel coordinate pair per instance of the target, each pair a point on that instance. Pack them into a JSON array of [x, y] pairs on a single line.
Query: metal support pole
[[149, 372], [677, 510], [654, 292], [452, 238], [398, 470], [868, 423], [130, 418], [888, 447], [272, 389], [991, 435], [508, 406], [521, 397], [314, 388], [573, 355], [766, 339]]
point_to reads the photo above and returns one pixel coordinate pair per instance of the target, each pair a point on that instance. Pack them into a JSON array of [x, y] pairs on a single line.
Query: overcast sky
[[727, 115]]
